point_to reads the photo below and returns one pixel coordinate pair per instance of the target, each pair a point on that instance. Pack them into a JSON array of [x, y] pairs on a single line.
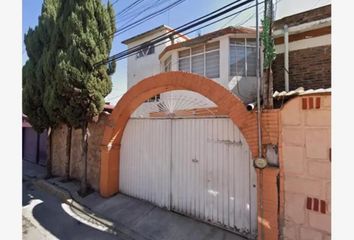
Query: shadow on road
[[48, 211]]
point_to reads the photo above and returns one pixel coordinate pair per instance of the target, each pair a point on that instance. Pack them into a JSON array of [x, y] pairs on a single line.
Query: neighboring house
[[309, 50], [34, 145], [228, 56]]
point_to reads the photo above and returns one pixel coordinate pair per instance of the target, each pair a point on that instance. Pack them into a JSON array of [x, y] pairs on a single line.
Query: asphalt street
[[45, 217]]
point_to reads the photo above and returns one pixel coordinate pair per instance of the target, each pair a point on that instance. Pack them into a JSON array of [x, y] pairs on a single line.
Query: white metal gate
[[198, 167]]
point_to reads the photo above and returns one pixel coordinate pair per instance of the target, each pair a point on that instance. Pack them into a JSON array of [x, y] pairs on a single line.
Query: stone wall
[[305, 168], [59, 150], [94, 155], [309, 68]]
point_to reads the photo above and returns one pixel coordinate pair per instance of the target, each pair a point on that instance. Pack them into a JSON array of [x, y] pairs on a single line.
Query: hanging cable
[[169, 35], [133, 53], [148, 17], [177, 29]]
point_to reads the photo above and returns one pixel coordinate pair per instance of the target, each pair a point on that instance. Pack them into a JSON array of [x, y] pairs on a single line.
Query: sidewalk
[[131, 217]]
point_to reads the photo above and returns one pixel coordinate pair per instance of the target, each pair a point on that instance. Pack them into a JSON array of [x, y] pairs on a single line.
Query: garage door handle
[[194, 160]]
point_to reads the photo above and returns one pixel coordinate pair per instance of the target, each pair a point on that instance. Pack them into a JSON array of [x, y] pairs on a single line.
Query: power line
[[230, 20], [137, 2], [132, 51], [230, 15], [204, 26], [133, 14], [152, 15], [218, 10], [167, 35], [142, 20]]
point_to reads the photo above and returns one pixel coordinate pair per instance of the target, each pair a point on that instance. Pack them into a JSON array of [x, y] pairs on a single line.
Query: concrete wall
[[305, 176], [140, 68], [59, 151]]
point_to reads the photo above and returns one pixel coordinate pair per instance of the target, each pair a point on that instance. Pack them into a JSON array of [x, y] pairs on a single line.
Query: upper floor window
[[146, 51], [243, 58], [167, 64], [202, 59]]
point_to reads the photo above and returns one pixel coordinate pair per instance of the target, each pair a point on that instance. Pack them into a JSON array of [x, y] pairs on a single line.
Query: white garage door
[[198, 167]]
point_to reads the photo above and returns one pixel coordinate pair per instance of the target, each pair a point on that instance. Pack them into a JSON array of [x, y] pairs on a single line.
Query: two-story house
[[227, 56]]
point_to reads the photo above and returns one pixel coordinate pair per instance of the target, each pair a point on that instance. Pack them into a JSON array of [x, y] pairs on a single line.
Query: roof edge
[[150, 32]]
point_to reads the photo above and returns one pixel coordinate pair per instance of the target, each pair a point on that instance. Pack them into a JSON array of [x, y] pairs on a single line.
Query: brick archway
[[224, 99], [228, 103]]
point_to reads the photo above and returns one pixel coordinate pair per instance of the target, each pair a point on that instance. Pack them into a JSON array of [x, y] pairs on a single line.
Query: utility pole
[[259, 131], [258, 87]]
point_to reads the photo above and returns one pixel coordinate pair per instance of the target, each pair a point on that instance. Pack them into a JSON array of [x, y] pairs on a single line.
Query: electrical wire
[[231, 20], [148, 17], [198, 28], [134, 14], [169, 35], [142, 20], [175, 62], [133, 53], [177, 29], [137, 2]]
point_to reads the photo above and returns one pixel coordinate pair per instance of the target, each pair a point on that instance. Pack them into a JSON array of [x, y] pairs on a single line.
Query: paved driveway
[[152, 222], [45, 217]]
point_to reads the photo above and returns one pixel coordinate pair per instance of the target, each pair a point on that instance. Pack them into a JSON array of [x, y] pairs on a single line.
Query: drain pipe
[[286, 57]]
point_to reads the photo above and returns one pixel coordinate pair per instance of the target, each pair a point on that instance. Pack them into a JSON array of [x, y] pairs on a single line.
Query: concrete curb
[[84, 212], [81, 211]]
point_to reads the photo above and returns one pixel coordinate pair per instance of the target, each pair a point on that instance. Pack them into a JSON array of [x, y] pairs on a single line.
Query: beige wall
[[304, 149], [59, 151]]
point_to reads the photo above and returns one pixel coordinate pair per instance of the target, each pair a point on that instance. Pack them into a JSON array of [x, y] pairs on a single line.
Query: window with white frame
[[243, 58], [145, 51], [167, 64], [202, 59]]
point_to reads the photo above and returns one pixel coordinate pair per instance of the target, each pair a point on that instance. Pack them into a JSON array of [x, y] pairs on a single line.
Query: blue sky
[[183, 13]]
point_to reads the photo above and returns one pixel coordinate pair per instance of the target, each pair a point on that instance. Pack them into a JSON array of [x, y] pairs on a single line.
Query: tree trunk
[[268, 89], [83, 187], [50, 153], [68, 153]]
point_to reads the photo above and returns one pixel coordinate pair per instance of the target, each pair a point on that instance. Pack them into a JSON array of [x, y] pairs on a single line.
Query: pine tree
[[36, 77], [60, 83], [85, 28]]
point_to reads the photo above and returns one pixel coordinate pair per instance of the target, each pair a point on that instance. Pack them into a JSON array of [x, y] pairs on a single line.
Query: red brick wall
[[308, 68]]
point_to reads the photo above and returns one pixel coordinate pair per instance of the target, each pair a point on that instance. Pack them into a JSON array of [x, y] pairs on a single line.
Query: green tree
[[35, 75], [60, 83], [268, 53], [85, 28]]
